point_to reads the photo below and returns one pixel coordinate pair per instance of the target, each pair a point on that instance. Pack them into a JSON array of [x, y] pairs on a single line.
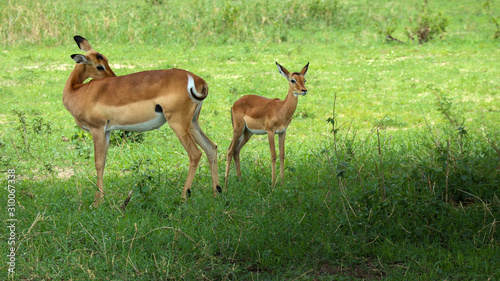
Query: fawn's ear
[[82, 43], [304, 70], [283, 71]]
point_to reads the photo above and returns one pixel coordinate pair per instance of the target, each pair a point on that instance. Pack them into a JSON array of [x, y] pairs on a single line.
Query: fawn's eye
[[293, 81], [100, 68]]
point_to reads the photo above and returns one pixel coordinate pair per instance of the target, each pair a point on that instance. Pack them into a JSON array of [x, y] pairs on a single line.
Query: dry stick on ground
[[15, 147], [346, 215], [493, 224], [39, 217], [127, 200], [304, 274], [128, 259], [333, 129], [341, 185], [447, 167], [389, 38], [381, 174], [95, 240]]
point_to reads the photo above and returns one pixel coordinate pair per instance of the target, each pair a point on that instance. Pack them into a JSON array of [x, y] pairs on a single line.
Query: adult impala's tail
[[193, 92]]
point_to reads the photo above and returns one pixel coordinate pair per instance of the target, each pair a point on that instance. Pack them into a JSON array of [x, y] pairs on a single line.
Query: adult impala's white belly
[[149, 125]]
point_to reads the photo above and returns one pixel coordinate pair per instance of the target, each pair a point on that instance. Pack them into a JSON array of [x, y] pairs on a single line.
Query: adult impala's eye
[[100, 68], [293, 81]]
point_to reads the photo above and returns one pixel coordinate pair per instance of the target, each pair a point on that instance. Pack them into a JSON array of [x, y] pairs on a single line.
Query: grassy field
[[392, 168]]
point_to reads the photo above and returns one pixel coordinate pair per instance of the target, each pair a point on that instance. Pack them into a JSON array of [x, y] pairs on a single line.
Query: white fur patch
[[152, 124], [264, 132], [191, 88]]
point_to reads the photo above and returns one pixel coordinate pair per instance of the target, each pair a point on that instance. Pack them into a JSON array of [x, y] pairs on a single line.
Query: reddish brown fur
[[255, 114], [131, 100]]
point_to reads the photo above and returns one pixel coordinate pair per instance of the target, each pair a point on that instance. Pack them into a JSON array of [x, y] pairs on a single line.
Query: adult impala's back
[[258, 115], [137, 102]]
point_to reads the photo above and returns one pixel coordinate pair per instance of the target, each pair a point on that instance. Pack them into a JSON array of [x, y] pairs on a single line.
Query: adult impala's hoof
[[96, 203], [219, 189], [188, 193]]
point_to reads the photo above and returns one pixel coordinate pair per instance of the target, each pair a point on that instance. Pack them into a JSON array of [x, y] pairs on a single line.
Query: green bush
[[427, 25]]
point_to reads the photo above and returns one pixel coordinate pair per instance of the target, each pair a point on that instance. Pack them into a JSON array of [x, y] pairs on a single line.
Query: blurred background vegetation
[[221, 21]]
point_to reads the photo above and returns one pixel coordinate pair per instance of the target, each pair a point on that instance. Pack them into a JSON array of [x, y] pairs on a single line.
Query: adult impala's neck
[[76, 78]]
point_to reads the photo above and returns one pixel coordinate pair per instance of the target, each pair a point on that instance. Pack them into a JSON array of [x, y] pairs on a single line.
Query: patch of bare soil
[[64, 173], [366, 271]]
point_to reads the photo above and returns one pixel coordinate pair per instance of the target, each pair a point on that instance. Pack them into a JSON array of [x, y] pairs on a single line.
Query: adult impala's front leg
[[101, 142]]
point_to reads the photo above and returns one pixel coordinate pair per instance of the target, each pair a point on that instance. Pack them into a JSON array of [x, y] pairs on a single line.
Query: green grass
[[406, 188]]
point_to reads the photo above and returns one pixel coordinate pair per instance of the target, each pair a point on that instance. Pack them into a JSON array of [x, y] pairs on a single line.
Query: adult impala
[[258, 115], [137, 102]]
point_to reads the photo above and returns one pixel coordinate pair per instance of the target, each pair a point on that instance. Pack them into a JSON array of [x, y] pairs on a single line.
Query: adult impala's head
[[95, 64], [296, 80]]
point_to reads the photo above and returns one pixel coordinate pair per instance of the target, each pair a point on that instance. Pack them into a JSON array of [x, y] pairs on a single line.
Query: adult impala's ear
[[82, 43], [80, 59], [283, 71], [304, 70]]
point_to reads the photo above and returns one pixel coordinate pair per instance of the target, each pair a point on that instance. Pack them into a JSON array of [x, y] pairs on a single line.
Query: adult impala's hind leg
[[209, 147], [183, 132]]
